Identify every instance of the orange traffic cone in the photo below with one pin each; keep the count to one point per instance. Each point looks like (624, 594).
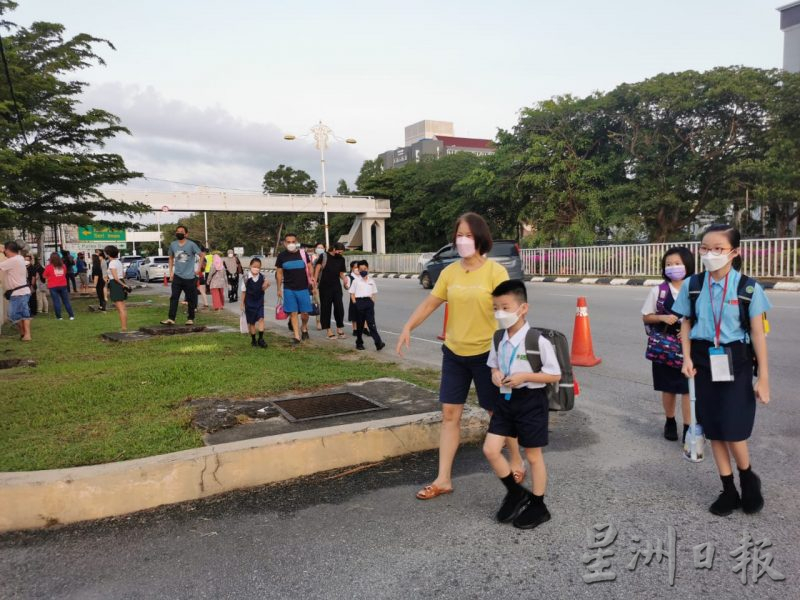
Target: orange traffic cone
(166, 280)
(582, 351)
(444, 325)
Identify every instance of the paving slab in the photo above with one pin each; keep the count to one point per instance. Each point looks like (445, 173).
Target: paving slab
(10, 363)
(172, 329)
(128, 336)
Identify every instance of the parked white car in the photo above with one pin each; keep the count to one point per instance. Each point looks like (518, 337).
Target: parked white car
(154, 268)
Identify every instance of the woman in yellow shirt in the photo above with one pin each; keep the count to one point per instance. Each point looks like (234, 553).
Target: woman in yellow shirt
(466, 285)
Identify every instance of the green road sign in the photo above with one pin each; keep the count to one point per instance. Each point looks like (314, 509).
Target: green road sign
(89, 234)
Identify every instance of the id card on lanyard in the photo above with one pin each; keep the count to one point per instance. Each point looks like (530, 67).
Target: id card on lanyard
(505, 390)
(720, 358)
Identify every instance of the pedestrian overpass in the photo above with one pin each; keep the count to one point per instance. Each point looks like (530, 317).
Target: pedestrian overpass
(370, 213)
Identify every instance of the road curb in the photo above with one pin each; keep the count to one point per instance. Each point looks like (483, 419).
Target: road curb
(37, 499)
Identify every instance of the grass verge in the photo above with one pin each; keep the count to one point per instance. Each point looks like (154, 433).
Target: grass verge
(89, 401)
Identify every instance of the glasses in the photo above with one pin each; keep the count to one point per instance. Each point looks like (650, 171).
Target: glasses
(713, 251)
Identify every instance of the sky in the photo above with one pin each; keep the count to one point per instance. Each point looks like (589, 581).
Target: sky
(209, 89)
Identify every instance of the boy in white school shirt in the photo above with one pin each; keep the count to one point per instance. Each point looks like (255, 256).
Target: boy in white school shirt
(521, 411)
(362, 294)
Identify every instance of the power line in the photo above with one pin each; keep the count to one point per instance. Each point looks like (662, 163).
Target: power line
(11, 90)
(216, 187)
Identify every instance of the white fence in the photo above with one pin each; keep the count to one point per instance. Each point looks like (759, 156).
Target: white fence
(775, 258)
(389, 263)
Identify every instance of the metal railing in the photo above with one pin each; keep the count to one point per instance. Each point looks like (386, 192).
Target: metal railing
(389, 263)
(773, 258)
(776, 258)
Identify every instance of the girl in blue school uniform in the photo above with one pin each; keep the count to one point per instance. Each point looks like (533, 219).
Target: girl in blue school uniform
(718, 352)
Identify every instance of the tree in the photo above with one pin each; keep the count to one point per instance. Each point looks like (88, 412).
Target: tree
(685, 134)
(342, 189)
(286, 180)
(51, 163)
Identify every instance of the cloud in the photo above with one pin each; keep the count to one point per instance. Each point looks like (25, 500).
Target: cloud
(175, 140)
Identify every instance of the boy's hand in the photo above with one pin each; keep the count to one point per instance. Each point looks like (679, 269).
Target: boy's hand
(515, 380)
(497, 377)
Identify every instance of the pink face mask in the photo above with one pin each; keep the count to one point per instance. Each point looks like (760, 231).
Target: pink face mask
(465, 246)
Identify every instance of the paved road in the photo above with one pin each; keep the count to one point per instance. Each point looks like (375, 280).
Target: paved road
(365, 536)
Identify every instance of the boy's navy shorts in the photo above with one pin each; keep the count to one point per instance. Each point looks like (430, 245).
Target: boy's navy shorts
(525, 416)
(458, 372)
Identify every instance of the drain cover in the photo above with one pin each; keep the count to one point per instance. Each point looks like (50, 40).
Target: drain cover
(322, 407)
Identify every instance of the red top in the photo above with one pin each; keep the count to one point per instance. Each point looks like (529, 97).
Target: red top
(55, 277)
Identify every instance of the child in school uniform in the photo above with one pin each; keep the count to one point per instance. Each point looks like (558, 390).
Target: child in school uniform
(351, 310)
(254, 284)
(521, 411)
(362, 294)
(718, 351)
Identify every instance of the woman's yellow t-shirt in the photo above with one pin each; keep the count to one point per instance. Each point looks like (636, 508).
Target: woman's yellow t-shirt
(470, 322)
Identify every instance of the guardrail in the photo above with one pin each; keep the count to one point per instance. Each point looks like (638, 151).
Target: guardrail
(774, 258)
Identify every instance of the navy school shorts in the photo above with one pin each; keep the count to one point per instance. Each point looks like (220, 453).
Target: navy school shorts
(525, 416)
(458, 372)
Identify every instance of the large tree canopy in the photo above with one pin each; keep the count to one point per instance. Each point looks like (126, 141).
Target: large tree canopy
(52, 165)
(645, 161)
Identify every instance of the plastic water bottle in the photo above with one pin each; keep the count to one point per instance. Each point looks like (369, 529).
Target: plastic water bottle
(698, 439)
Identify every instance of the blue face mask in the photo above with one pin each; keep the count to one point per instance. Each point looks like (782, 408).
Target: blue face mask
(363, 273)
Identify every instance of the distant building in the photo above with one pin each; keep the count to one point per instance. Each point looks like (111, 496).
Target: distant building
(433, 139)
(790, 25)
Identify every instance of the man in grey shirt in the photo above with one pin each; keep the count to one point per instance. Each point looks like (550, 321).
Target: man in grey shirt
(183, 261)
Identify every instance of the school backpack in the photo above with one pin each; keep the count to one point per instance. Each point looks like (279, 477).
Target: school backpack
(744, 294)
(561, 394)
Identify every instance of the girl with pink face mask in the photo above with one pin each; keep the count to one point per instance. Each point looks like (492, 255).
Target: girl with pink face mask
(660, 322)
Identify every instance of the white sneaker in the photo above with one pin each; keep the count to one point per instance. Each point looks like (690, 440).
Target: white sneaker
(72, 318)
(59, 319)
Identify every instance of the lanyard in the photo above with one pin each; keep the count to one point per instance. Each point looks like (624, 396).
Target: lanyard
(717, 322)
(507, 371)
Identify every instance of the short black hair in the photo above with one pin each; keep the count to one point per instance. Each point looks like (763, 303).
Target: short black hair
(112, 251)
(185, 229)
(338, 246)
(363, 263)
(12, 246)
(353, 263)
(511, 287)
(686, 257)
(480, 231)
(255, 260)
(288, 235)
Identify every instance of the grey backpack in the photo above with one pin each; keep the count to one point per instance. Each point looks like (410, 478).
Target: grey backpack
(560, 395)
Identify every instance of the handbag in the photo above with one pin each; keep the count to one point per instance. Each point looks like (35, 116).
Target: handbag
(314, 309)
(7, 293)
(280, 314)
(243, 323)
(663, 343)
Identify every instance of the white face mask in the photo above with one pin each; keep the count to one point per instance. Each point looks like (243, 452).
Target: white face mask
(255, 271)
(291, 247)
(230, 254)
(506, 319)
(320, 250)
(715, 263)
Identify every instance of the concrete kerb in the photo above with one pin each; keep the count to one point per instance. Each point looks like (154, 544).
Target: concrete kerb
(45, 498)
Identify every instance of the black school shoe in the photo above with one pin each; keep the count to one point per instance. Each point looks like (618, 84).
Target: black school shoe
(359, 346)
(512, 505)
(380, 346)
(533, 516)
(671, 430)
(726, 503)
(752, 500)
(262, 343)
(304, 335)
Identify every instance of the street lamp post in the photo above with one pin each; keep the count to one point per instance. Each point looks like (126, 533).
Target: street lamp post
(322, 134)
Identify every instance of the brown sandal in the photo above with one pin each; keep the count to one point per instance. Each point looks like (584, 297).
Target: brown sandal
(429, 492)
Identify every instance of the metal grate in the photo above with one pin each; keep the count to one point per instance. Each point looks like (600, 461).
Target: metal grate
(322, 407)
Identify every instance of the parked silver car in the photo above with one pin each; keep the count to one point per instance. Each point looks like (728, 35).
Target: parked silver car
(154, 268)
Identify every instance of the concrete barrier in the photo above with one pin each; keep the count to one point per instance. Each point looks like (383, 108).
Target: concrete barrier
(45, 498)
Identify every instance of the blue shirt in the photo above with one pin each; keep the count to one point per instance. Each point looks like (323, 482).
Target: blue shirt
(184, 258)
(731, 328)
